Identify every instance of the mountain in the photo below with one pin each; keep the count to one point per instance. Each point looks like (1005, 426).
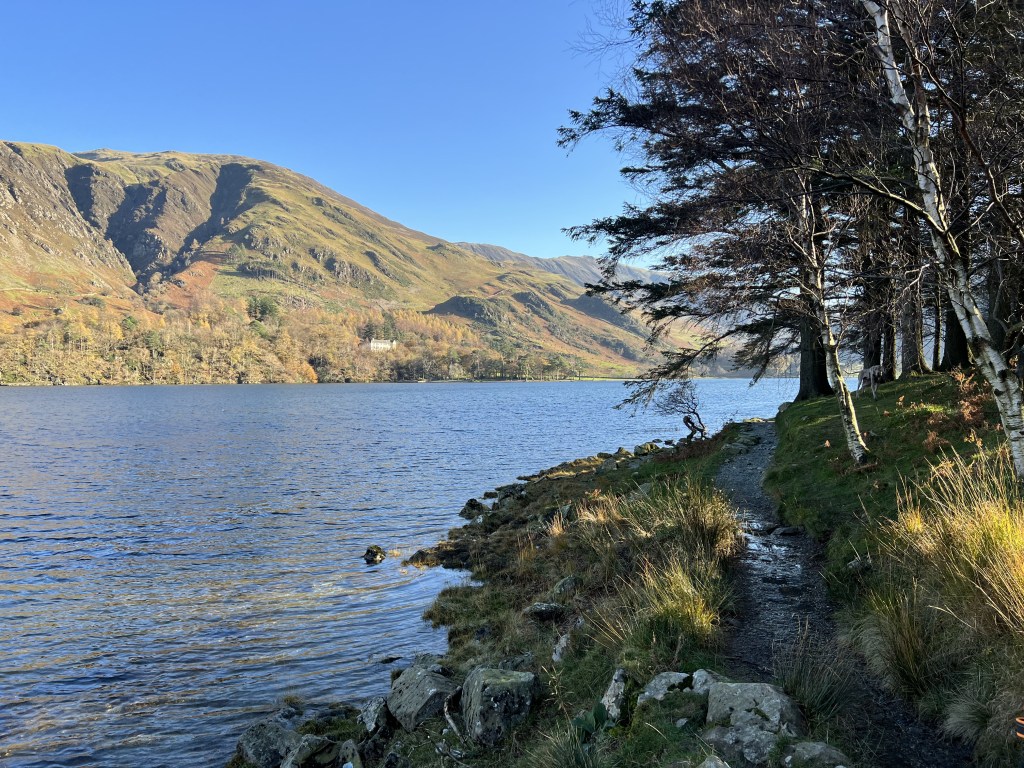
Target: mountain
(176, 267)
(582, 270)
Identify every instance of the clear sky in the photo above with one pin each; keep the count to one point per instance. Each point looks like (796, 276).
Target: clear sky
(441, 115)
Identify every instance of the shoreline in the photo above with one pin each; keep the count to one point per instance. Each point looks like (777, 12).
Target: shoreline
(525, 647)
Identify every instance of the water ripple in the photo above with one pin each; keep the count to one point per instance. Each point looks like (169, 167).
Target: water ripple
(174, 560)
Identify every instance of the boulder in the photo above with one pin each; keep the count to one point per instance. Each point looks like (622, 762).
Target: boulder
(270, 741)
(374, 714)
(473, 508)
(614, 699)
(703, 679)
(646, 449)
(661, 685)
(417, 695)
(494, 701)
(374, 554)
(349, 755)
(545, 611)
(565, 588)
(814, 754)
(608, 465)
(748, 720)
(714, 762)
(760, 704)
(561, 647)
(313, 752)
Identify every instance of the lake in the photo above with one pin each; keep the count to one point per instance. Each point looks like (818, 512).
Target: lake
(175, 560)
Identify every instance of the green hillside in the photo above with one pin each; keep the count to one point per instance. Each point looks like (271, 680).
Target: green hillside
(173, 267)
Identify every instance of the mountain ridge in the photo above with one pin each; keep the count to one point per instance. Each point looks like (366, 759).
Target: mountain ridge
(98, 236)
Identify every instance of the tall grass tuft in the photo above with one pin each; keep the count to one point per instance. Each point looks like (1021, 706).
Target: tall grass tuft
(945, 620)
(567, 750)
(819, 675)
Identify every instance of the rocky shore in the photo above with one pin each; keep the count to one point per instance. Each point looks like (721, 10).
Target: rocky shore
(593, 635)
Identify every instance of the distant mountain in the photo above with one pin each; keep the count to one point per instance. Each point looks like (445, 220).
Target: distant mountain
(161, 267)
(582, 270)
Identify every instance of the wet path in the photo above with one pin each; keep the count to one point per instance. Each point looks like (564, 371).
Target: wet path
(779, 588)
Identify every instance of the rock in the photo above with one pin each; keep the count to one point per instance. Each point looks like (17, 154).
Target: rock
(314, 752)
(788, 530)
(417, 695)
(608, 465)
(682, 722)
(565, 588)
(614, 698)
(374, 554)
(494, 701)
(349, 755)
(714, 762)
(859, 565)
(784, 407)
(749, 719)
(661, 685)
(622, 453)
(491, 495)
(703, 679)
(269, 742)
(473, 509)
(646, 449)
(545, 611)
(517, 663)
(374, 714)
(742, 744)
(814, 754)
(759, 703)
(561, 647)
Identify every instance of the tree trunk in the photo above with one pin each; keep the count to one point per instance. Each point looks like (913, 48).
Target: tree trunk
(955, 351)
(813, 374)
(912, 358)
(917, 123)
(937, 327)
(888, 344)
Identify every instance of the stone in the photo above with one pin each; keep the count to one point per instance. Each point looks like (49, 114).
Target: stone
(314, 752)
(349, 755)
(660, 686)
(545, 611)
(374, 714)
(565, 588)
(646, 449)
(760, 704)
(374, 554)
(608, 465)
(784, 407)
(269, 742)
(788, 530)
(614, 698)
(494, 701)
(518, 663)
(814, 754)
(417, 695)
(561, 647)
(748, 720)
(472, 509)
(742, 744)
(703, 679)
(713, 761)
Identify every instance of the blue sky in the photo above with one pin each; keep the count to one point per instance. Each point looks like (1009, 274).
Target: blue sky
(441, 115)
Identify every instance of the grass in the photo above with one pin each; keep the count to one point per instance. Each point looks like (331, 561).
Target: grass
(940, 614)
(649, 589)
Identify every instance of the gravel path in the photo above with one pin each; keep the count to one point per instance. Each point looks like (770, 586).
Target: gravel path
(779, 587)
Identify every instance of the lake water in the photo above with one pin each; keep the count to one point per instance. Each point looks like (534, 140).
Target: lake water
(174, 560)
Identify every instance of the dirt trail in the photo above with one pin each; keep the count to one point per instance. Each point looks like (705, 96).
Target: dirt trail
(779, 586)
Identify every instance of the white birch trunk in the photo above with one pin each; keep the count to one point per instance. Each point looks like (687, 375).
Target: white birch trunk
(988, 359)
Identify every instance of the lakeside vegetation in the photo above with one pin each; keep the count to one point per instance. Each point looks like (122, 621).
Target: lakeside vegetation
(925, 547)
(925, 551)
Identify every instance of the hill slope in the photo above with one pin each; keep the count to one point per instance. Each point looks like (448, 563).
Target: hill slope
(185, 244)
